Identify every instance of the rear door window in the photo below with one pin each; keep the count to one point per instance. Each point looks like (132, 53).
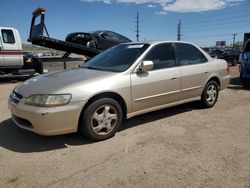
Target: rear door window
(189, 55)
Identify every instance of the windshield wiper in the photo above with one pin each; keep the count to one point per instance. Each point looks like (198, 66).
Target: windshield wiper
(97, 68)
(87, 67)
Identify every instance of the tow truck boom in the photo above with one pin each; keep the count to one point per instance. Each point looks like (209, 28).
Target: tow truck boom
(37, 37)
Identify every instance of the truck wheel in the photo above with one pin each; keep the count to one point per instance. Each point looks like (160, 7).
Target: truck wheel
(39, 66)
(101, 119)
(210, 94)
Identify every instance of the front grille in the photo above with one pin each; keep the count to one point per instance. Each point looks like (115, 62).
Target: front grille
(15, 97)
(23, 122)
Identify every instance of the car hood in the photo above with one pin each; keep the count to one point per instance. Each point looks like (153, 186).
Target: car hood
(68, 81)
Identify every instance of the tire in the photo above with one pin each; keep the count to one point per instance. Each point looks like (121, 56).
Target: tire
(101, 119)
(39, 67)
(210, 94)
(246, 83)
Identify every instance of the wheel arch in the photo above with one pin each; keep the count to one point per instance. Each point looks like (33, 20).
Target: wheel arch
(216, 79)
(111, 95)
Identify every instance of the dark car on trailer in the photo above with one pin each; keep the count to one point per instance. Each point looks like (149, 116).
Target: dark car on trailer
(101, 40)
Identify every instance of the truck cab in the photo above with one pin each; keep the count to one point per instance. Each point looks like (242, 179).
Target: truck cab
(11, 55)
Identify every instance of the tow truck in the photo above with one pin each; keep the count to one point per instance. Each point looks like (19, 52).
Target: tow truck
(12, 60)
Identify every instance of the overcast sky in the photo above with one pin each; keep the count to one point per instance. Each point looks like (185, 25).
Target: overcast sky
(203, 21)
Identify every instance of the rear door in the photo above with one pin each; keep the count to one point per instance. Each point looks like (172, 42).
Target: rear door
(194, 69)
(159, 86)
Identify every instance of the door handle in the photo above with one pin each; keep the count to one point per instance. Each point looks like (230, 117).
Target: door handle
(206, 72)
(174, 78)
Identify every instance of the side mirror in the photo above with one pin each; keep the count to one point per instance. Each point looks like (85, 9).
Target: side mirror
(145, 66)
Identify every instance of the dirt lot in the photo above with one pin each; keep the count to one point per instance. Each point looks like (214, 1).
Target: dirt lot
(183, 146)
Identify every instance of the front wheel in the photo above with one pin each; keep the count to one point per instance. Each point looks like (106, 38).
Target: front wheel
(101, 119)
(210, 94)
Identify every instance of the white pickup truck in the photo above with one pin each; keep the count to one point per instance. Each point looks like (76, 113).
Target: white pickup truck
(12, 59)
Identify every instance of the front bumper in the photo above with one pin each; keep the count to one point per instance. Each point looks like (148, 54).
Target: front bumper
(46, 120)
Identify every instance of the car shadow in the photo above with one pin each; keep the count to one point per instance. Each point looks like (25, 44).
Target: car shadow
(236, 84)
(13, 79)
(160, 114)
(16, 139)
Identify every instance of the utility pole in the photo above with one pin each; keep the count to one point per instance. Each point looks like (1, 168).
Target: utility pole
(179, 31)
(234, 36)
(137, 27)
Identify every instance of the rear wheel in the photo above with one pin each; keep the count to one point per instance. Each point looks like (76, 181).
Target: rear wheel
(210, 94)
(101, 119)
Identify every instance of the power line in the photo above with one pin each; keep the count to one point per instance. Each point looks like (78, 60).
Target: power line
(216, 35)
(218, 22)
(217, 17)
(215, 27)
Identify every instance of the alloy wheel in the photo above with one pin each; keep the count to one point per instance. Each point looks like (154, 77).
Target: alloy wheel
(104, 119)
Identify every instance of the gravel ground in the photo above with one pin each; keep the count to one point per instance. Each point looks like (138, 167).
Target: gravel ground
(183, 146)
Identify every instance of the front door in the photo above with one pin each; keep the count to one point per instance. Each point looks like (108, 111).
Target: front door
(159, 86)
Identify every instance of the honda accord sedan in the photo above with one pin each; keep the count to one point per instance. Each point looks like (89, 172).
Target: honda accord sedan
(121, 82)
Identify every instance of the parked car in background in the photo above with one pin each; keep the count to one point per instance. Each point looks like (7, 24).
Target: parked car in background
(124, 81)
(216, 53)
(245, 65)
(99, 39)
(232, 56)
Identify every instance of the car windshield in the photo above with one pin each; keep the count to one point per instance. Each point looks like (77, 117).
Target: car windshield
(116, 59)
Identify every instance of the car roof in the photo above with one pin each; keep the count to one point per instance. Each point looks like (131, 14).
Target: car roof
(159, 42)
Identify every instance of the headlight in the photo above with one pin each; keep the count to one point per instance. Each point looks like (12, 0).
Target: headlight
(48, 100)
